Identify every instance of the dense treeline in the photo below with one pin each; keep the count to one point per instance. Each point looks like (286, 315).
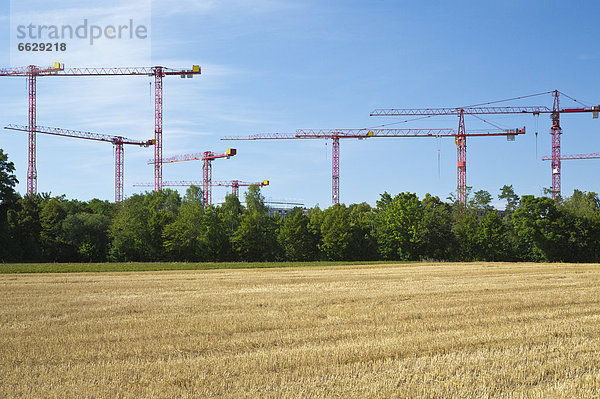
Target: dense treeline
(162, 226)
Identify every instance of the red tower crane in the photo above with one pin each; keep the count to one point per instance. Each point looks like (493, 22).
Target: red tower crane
(234, 184)
(32, 72)
(461, 143)
(117, 141)
(337, 134)
(207, 157)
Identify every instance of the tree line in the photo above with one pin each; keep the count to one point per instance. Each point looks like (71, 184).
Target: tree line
(163, 226)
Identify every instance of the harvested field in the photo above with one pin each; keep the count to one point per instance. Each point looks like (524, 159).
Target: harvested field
(419, 330)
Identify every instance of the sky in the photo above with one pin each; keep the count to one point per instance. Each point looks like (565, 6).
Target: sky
(277, 65)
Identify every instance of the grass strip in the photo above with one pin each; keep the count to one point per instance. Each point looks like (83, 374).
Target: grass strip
(11, 268)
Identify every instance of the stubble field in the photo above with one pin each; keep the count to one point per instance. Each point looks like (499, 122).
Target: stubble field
(473, 330)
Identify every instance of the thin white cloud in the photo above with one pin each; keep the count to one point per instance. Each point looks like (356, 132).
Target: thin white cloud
(209, 7)
(48, 12)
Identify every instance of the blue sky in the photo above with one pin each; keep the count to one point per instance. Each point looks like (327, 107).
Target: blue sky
(276, 66)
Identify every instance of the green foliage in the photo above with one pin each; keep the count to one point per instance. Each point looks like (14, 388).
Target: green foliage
(87, 234)
(336, 233)
(362, 227)
(137, 229)
(481, 201)
(256, 238)
(581, 204)
(297, 240)
(398, 226)
(197, 234)
(184, 238)
(8, 181)
(435, 232)
(231, 213)
(491, 238)
(465, 230)
(52, 215)
(26, 228)
(512, 200)
(255, 202)
(99, 207)
(8, 203)
(538, 223)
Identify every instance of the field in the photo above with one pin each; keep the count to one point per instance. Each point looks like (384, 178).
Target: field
(417, 330)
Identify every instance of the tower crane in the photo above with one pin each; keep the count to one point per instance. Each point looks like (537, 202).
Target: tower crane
(336, 134)
(117, 141)
(206, 157)
(234, 184)
(32, 72)
(461, 142)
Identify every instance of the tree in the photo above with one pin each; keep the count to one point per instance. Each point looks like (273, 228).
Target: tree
(512, 200)
(539, 223)
(183, 238)
(8, 181)
(194, 195)
(582, 210)
(137, 228)
(231, 213)
(362, 225)
(217, 236)
(481, 201)
(87, 234)
(582, 204)
(336, 232)
(397, 225)
(256, 237)
(297, 240)
(26, 227)
(98, 207)
(491, 239)
(8, 202)
(435, 230)
(52, 215)
(465, 230)
(255, 202)
(197, 234)
(315, 220)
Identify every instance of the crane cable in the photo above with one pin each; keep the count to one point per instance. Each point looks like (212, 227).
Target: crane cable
(577, 101)
(509, 99)
(489, 123)
(396, 123)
